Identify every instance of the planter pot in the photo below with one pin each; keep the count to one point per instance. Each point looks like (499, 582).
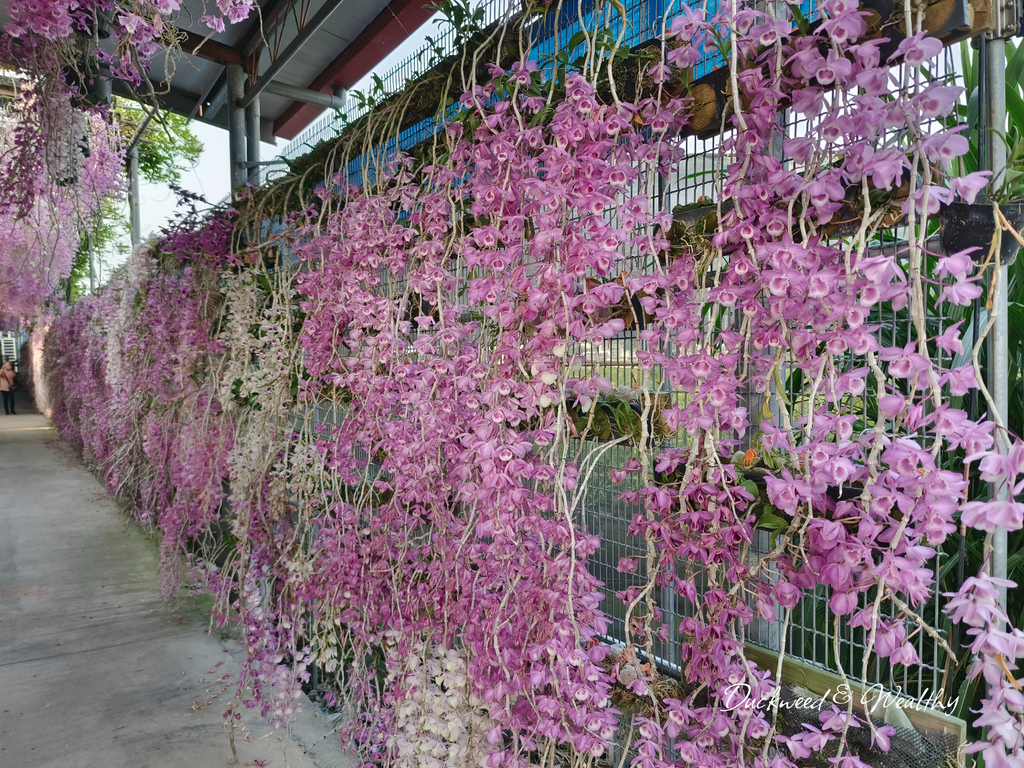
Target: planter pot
(99, 90)
(834, 492)
(846, 493)
(692, 228)
(632, 311)
(846, 222)
(629, 310)
(612, 410)
(756, 476)
(964, 226)
(99, 25)
(614, 419)
(93, 86)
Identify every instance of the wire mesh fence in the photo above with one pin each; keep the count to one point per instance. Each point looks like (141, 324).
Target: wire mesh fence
(547, 34)
(813, 633)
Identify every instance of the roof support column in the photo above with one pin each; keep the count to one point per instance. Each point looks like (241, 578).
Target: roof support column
(252, 140)
(992, 54)
(133, 195)
(236, 127)
(992, 111)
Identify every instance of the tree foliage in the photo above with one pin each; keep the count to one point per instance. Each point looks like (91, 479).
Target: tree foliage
(168, 146)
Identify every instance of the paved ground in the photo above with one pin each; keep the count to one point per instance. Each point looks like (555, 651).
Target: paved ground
(95, 670)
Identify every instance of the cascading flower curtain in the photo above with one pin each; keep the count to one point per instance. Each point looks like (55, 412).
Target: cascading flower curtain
(65, 195)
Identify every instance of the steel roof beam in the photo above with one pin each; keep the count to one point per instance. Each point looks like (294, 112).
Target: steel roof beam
(385, 33)
(270, 15)
(293, 48)
(209, 49)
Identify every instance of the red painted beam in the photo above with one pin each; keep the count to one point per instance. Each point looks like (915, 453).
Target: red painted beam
(381, 36)
(211, 50)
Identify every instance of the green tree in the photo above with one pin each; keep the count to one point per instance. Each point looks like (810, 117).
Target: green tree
(108, 236)
(168, 146)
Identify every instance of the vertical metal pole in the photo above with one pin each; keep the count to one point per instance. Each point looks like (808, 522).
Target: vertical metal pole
(993, 53)
(252, 140)
(236, 126)
(133, 198)
(92, 263)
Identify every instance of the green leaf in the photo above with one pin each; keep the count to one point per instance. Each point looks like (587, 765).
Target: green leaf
(751, 487)
(576, 40)
(773, 459)
(1014, 64)
(1015, 317)
(627, 422)
(769, 521)
(1015, 112)
(542, 117)
(968, 65)
(972, 113)
(801, 21)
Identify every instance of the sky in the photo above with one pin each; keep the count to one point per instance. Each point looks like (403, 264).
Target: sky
(209, 177)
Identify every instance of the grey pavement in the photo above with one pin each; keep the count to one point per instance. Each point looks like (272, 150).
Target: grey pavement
(96, 671)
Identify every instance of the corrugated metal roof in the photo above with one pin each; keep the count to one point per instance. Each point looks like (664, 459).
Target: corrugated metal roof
(192, 84)
(202, 81)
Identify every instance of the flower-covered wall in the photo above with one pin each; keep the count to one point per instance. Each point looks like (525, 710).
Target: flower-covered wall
(373, 415)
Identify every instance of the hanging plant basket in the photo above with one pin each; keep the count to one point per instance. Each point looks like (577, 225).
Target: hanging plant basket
(844, 492)
(886, 207)
(629, 308)
(97, 25)
(418, 306)
(963, 225)
(99, 88)
(619, 417)
(693, 226)
(92, 83)
(849, 492)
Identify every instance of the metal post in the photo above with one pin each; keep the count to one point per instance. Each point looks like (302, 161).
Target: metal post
(92, 263)
(252, 139)
(993, 55)
(236, 126)
(133, 197)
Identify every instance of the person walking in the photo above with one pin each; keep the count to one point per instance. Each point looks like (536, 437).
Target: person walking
(7, 387)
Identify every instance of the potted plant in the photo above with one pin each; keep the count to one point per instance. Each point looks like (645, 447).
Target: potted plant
(965, 225)
(629, 308)
(693, 226)
(618, 412)
(973, 225)
(754, 466)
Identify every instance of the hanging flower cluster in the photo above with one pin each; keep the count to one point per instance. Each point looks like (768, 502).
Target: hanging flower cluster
(64, 190)
(139, 28)
(64, 48)
(401, 387)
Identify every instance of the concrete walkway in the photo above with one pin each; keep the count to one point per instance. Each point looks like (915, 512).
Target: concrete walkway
(95, 670)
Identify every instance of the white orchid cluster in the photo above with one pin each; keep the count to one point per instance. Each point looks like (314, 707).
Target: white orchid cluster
(439, 723)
